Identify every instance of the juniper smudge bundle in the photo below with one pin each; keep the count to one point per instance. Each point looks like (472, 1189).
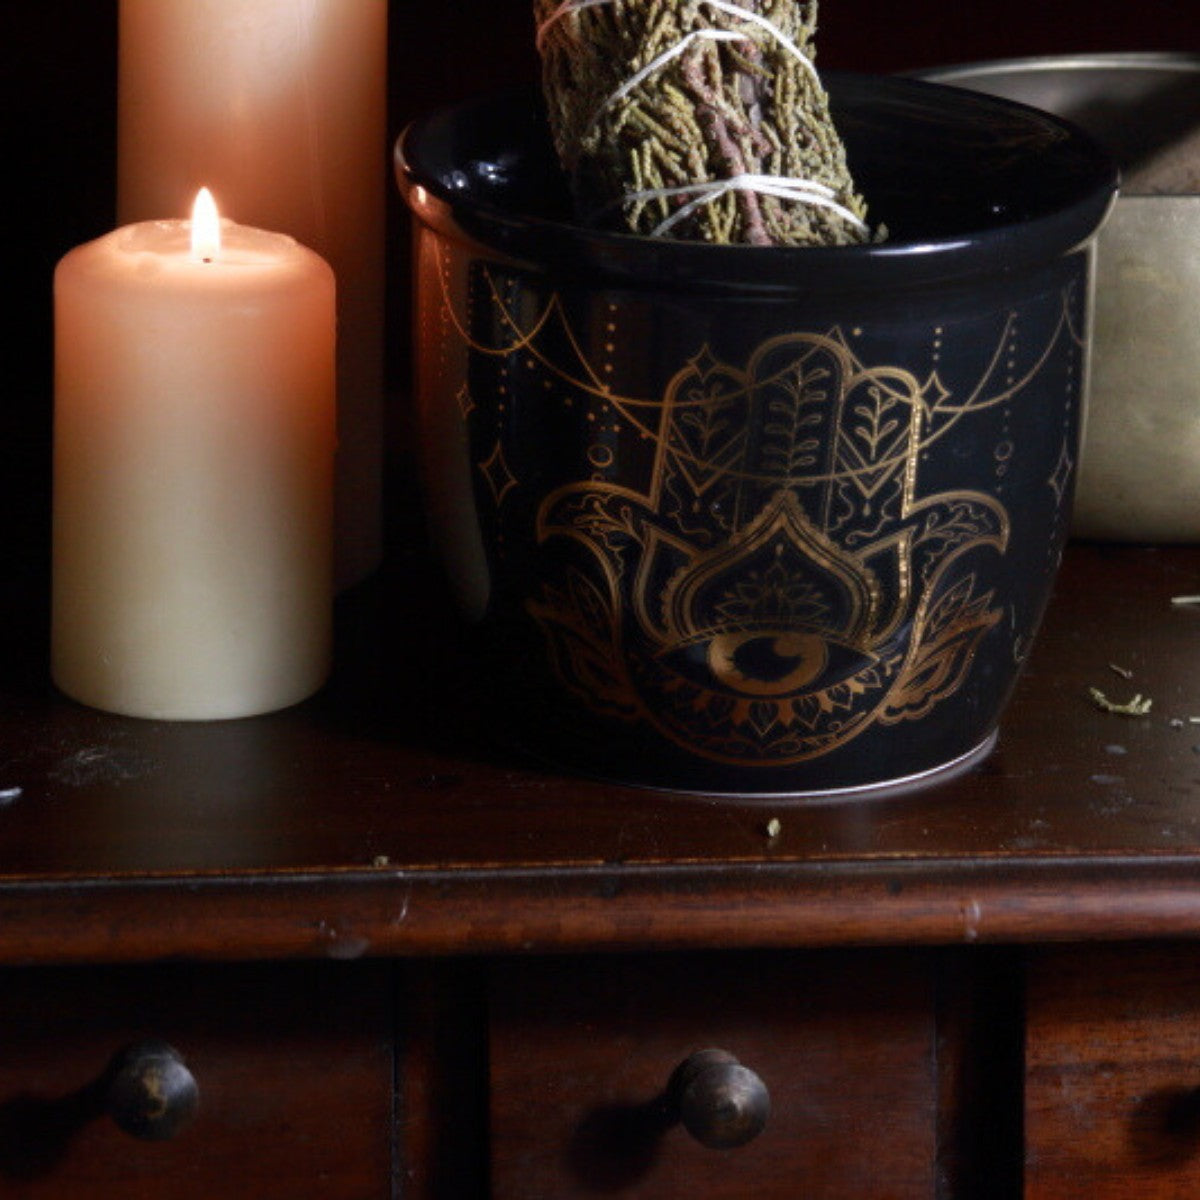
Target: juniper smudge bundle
(701, 119)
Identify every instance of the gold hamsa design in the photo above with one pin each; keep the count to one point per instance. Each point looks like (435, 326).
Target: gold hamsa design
(779, 586)
(749, 562)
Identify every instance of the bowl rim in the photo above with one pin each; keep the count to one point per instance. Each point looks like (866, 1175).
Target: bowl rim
(539, 243)
(1106, 60)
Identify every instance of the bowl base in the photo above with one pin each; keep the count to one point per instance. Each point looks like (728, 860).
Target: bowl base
(884, 789)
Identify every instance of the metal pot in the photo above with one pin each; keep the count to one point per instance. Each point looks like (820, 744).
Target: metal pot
(1140, 470)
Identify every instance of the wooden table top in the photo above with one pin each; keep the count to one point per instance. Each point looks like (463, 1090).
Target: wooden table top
(377, 819)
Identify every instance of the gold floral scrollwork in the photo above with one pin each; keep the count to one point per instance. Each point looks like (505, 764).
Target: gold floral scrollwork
(748, 561)
(778, 586)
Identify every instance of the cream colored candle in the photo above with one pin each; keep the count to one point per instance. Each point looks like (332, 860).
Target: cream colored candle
(280, 107)
(193, 471)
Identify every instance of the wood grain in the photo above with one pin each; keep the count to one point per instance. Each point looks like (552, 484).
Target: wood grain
(381, 819)
(294, 1066)
(1113, 1083)
(581, 1053)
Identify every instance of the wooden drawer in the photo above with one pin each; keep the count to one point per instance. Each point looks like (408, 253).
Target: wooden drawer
(1113, 1073)
(293, 1064)
(582, 1051)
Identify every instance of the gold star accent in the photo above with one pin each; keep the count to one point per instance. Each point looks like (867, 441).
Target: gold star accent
(496, 471)
(1060, 478)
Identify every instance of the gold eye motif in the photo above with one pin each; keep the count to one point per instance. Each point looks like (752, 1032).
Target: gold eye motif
(759, 663)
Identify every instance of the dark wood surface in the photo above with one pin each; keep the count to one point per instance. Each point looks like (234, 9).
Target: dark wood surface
(1112, 1101)
(846, 1045)
(378, 818)
(293, 1062)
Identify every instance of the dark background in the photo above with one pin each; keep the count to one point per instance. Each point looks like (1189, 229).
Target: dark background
(57, 112)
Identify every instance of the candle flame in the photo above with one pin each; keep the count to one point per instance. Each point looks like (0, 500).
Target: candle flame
(206, 227)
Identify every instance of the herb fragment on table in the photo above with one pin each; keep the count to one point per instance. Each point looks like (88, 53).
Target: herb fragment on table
(1139, 706)
(1124, 672)
(1185, 601)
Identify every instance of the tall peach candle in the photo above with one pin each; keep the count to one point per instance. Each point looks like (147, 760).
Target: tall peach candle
(279, 106)
(193, 471)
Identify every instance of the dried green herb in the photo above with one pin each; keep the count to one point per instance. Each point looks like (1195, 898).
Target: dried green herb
(699, 119)
(1139, 706)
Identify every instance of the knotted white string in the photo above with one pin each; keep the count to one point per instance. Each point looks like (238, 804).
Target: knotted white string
(713, 35)
(802, 191)
(744, 14)
(567, 7)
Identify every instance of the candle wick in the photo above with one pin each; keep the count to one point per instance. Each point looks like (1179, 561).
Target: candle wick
(206, 258)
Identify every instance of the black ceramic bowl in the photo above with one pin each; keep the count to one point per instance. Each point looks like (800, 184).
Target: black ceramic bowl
(763, 521)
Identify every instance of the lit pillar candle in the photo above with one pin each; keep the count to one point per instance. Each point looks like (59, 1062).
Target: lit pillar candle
(280, 107)
(193, 470)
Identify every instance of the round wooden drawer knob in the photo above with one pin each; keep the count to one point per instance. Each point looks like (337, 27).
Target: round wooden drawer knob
(151, 1093)
(721, 1103)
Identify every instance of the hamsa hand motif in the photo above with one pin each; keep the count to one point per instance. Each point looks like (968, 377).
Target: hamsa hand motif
(779, 584)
